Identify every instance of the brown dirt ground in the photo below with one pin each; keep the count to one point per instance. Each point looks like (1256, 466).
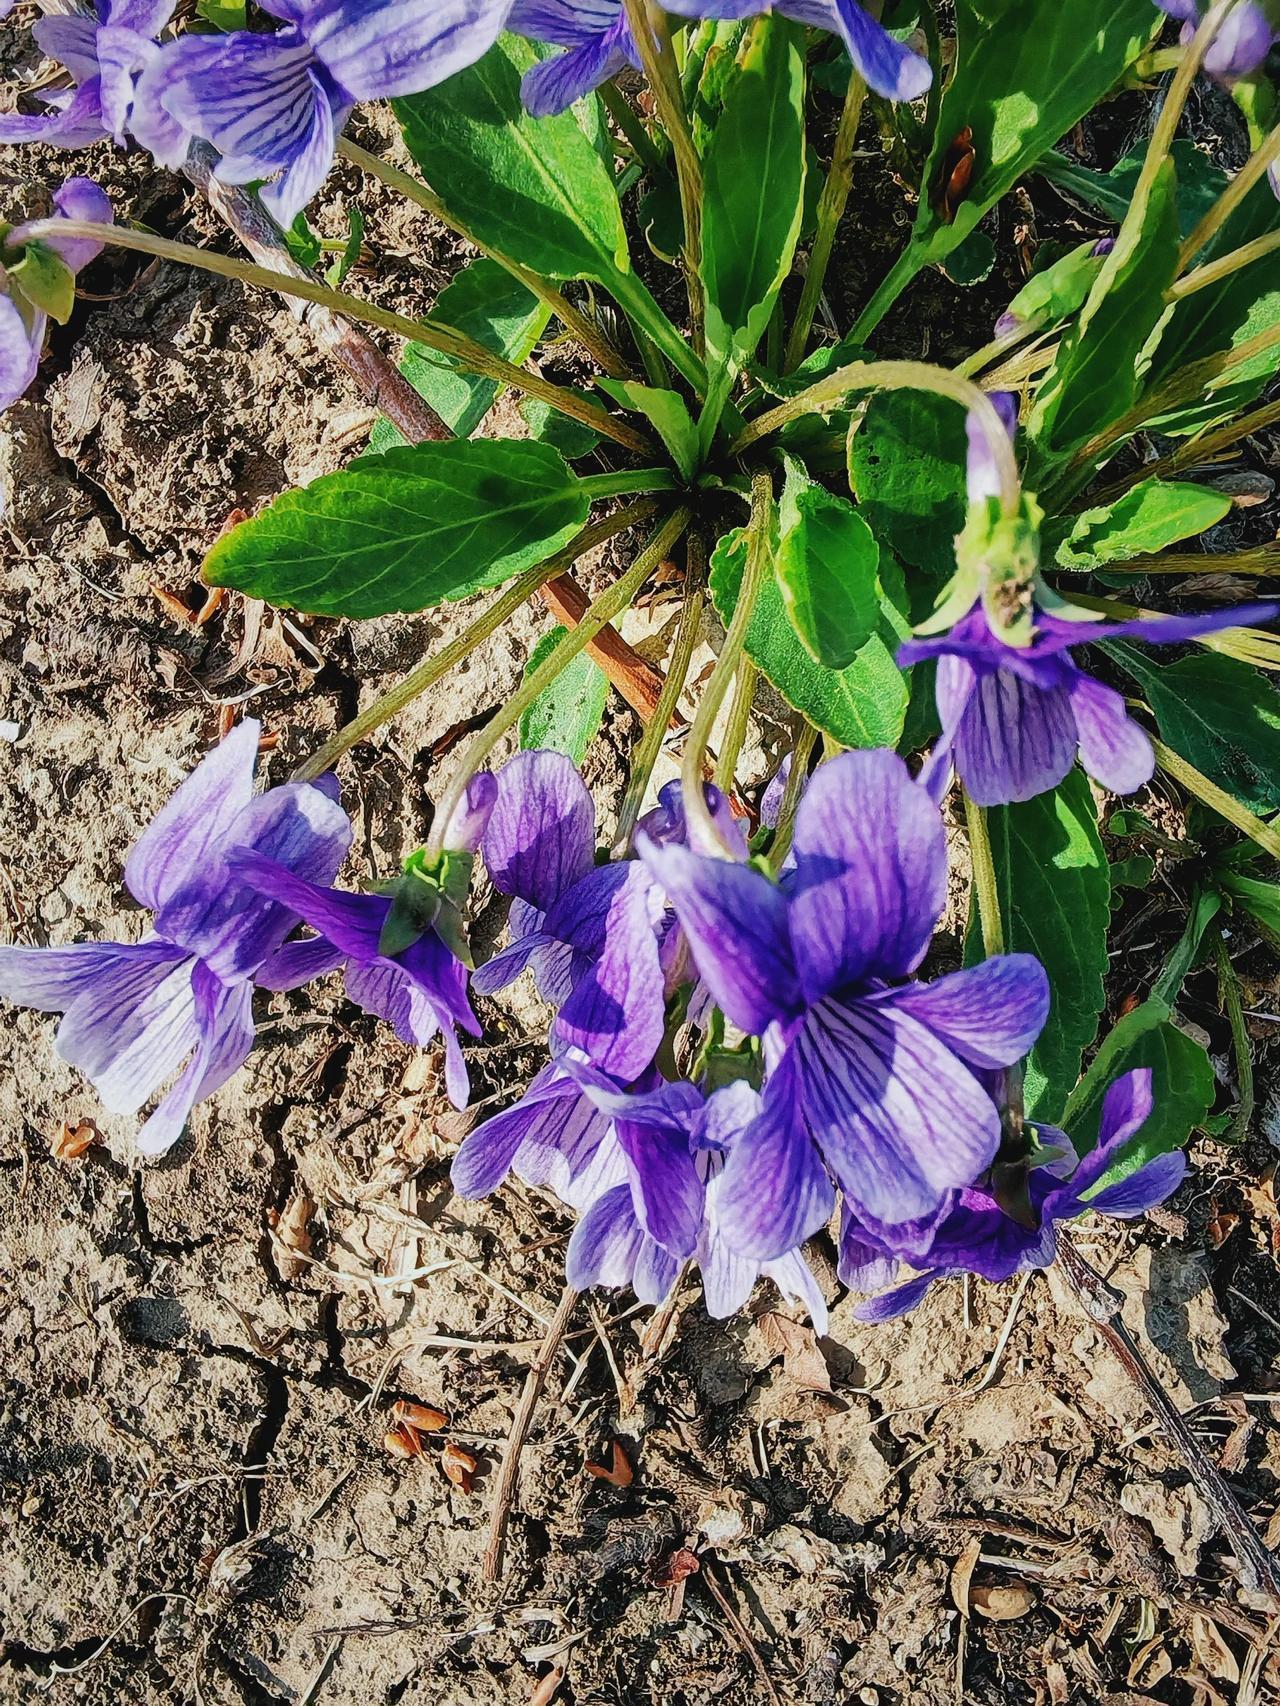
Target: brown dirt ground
(195, 1498)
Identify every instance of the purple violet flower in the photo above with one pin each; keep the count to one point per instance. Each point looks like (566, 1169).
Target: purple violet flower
(872, 1080)
(135, 1012)
(420, 989)
(598, 43)
(589, 932)
(1016, 716)
(1244, 39)
(22, 324)
(104, 49)
(976, 1235)
(274, 105)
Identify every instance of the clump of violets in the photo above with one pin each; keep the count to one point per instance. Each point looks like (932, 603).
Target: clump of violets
(875, 1084)
(180, 999)
(37, 280)
(976, 1235)
(1016, 708)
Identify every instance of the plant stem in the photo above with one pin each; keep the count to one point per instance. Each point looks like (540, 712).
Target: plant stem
(391, 703)
(656, 729)
(704, 834)
(1102, 1305)
(610, 604)
(1166, 126)
(652, 35)
(632, 126)
(797, 776)
(627, 483)
(1187, 455)
(445, 339)
(744, 692)
(1215, 271)
(896, 375)
(1217, 799)
(998, 347)
(984, 878)
(575, 322)
(1254, 168)
(632, 295)
(831, 205)
(1229, 989)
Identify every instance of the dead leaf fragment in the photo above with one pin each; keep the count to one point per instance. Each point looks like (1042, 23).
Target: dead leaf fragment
(422, 1418)
(619, 1474)
(1211, 1650)
(402, 1441)
(1002, 1604)
(459, 1466)
(291, 1241)
(71, 1142)
(962, 1575)
(171, 603)
(211, 606)
(676, 1568)
(797, 1345)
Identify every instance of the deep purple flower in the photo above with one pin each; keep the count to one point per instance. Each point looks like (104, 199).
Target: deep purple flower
(274, 105)
(872, 1081)
(135, 1012)
(589, 932)
(1016, 715)
(977, 1236)
(22, 323)
(104, 49)
(420, 989)
(598, 43)
(1244, 37)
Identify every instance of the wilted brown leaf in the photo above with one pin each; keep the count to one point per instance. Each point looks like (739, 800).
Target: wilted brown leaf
(1002, 1604)
(71, 1142)
(459, 1466)
(962, 1574)
(676, 1568)
(797, 1344)
(619, 1474)
(422, 1418)
(402, 1441)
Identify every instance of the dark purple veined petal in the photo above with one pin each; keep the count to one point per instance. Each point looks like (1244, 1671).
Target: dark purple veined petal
(224, 1023)
(377, 49)
(540, 840)
(656, 1271)
(899, 1118)
(989, 1014)
(553, 85)
(509, 962)
(19, 351)
(435, 968)
(51, 979)
(76, 122)
(983, 475)
(737, 924)
(606, 1243)
(1143, 1189)
(666, 1186)
(870, 875)
(890, 1304)
(78, 198)
(563, 23)
(1113, 749)
(1126, 1108)
(300, 962)
(863, 1265)
(1015, 739)
(188, 832)
(132, 1029)
(774, 1192)
(72, 39)
(616, 1011)
(487, 1153)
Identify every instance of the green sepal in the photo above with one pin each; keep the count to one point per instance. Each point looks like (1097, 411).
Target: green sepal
(46, 281)
(430, 895)
(1060, 289)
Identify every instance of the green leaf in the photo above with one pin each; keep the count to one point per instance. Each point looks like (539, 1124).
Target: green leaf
(533, 188)
(223, 14)
(907, 470)
(566, 716)
(827, 568)
(754, 190)
(972, 261)
(1149, 517)
(1060, 289)
(666, 413)
(573, 439)
(1261, 901)
(1096, 374)
(1055, 902)
(486, 303)
(863, 705)
(335, 274)
(1220, 714)
(302, 242)
(1135, 872)
(406, 529)
(1026, 71)
(1182, 1085)
(45, 280)
(1200, 182)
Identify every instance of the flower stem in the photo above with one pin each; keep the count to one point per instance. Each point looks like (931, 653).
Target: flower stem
(831, 205)
(646, 754)
(610, 604)
(391, 703)
(1215, 271)
(1188, 455)
(704, 835)
(1254, 168)
(632, 126)
(984, 878)
(1229, 990)
(1216, 798)
(651, 32)
(797, 776)
(445, 339)
(572, 319)
(892, 376)
(1166, 126)
(744, 692)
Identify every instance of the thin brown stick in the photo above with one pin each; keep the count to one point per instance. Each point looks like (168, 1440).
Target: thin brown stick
(509, 1470)
(1259, 1569)
(639, 683)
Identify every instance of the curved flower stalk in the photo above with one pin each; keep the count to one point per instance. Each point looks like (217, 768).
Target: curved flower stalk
(135, 1012)
(589, 932)
(24, 318)
(977, 1236)
(1016, 708)
(401, 952)
(274, 105)
(104, 49)
(873, 1080)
